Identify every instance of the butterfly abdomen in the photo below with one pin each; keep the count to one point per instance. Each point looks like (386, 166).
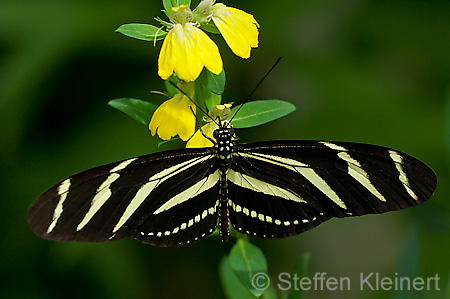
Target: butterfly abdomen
(224, 229)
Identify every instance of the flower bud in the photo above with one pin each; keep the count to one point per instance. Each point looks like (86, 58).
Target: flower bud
(181, 15)
(205, 7)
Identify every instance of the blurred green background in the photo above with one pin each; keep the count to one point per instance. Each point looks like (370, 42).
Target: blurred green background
(358, 70)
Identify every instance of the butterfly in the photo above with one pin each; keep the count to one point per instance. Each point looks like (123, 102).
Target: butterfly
(268, 189)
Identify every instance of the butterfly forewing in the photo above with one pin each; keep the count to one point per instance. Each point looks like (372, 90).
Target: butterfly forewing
(282, 188)
(119, 199)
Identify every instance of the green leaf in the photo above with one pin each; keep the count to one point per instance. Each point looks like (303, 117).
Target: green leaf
(300, 269)
(212, 100)
(144, 32)
(256, 113)
(164, 142)
(137, 109)
(270, 292)
(167, 7)
(172, 90)
(166, 13)
(210, 27)
(204, 95)
(231, 285)
(183, 2)
(249, 264)
(409, 262)
(215, 83)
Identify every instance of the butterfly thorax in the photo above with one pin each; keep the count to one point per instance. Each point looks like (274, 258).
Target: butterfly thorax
(224, 146)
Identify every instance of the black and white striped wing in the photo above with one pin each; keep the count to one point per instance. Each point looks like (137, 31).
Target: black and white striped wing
(163, 199)
(283, 188)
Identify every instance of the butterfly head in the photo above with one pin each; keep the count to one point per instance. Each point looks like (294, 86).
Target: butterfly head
(224, 133)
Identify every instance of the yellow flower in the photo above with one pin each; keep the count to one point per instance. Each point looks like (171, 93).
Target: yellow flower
(174, 117)
(187, 49)
(238, 28)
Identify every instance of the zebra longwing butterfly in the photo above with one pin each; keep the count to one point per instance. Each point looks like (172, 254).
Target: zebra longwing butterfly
(270, 189)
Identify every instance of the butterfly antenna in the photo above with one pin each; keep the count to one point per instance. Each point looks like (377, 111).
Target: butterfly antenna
(246, 100)
(197, 123)
(200, 108)
(200, 128)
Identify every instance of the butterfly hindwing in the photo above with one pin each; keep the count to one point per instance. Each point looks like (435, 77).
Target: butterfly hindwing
(263, 201)
(282, 188)
(188, 212)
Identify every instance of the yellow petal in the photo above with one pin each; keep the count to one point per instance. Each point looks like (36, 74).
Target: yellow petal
(185, 126)
(185, 51)
(198, 140)
(165, 60)
(174, 117)
(238, 28)
(209, 52)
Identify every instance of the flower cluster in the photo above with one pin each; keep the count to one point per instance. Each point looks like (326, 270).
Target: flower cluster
(191, 60)
(187, 49)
